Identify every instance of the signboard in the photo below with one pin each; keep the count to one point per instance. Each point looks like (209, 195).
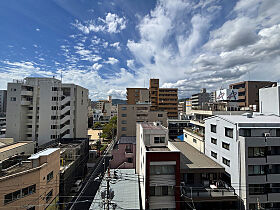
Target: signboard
(227, 95)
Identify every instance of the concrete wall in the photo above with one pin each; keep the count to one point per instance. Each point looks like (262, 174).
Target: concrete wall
(194, 140)
(270, 100)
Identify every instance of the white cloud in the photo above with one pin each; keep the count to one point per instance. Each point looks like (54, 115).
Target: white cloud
(116, 45)
(111, 61)
(130, 64)
(37, 29)
(97, 66)
(114, 23)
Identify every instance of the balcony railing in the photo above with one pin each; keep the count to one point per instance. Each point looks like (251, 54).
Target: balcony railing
(195, 132)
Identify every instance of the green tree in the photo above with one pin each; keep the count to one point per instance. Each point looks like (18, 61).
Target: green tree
(97, 125)
(110, 129)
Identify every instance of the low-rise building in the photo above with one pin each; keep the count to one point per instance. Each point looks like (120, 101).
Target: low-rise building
(124, 153)
(31, 184)
(248, 146)
(130, 114)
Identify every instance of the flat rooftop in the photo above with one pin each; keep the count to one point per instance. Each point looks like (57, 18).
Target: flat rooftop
(193, 160)
(12, 146)
(256, 118)
(43, 153)
(23, 166)
(152, 126)
(126, 190)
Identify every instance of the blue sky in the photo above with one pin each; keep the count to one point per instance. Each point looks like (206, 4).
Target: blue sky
(107, 46)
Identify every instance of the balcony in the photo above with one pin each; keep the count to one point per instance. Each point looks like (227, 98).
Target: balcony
(25, 103)
(198, 134)
(210, 193)
(26, 93)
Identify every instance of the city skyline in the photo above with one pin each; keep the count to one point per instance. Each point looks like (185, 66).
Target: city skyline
(108, 46)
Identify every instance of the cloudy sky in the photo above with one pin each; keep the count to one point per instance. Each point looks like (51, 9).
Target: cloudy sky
(107, 46)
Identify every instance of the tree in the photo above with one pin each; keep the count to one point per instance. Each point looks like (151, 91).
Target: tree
(97, 125)
(110, 129)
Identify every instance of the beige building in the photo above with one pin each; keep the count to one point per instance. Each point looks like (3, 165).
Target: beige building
(23, 147)
(32, 184)
(44, 109)
(137, 95)
(130, 114)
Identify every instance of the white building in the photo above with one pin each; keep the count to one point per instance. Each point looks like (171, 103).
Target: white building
(269, 99)
(44, 109)
(248, 146)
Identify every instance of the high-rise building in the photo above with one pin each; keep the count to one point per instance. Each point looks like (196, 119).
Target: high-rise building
(3, 102)
(130, 114)
(248, 93)
(45, 109)
(248, 146)
(137, 95)
(164, 99)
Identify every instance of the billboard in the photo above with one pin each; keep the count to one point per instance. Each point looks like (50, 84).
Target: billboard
(227, 95)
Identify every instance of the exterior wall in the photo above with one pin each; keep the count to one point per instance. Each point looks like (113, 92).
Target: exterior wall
(27, 178)
(26, 149)
(137, 95)
(194, 140)
(3, 101)
(120, 156)
(270, 100)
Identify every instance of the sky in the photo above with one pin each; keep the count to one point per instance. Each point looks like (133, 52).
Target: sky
(107, 46)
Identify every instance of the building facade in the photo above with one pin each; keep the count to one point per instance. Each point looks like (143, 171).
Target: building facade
(248, 92)
(198, 100)
(137, 95)
(31, 184)
(3, 102)
(129, 115)
(270, 100)
(44, 109)
(248, 147)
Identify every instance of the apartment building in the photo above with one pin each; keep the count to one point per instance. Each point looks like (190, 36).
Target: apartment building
(248, 92)
(124, 153)
(270, 100)
(137, 95)
(198, 100)
(130, 114)
(248, 147)
(164, 99)
(44, 109)
(31, 184)
(158, 168)
(17, 148)
(3, 102)
(176, 127)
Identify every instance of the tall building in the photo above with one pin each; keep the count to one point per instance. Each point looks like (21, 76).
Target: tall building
(3, 102)
(32, 183)
(164, 99)
(137, 95)
(44, 109)
(130, 114)
(248, 92)
(270, 100)
(248, 146)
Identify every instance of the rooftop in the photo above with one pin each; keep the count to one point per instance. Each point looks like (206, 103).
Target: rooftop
(12, 146)
(256, 118)
(43, 153)
(125, 199)
(151, 126)
(127, 140)
(19, 167)
(162, 149)
(192, 159)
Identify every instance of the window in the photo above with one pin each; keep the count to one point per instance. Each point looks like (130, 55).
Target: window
(29, 126)
(123, 121)
(226, 161)
(275, 150)
(123, 115)
(214, 154)
(164, 190)
(256, 152)
(225, 145)
(55, 108)
(123, 128)
(257, 189)
(54, 117)
(159, 139)
(19, 194)
(229, 132)
(160, 115)
(275, 169)
(128, 148)
(54, 126)
(25, 191)
(278, 132)
(256, 169)
(213, 128)
(129, 160)
(245, 132)
(194, 140)
(54, 89)
(124, 108)
(32, 189)
(8, 198)
(50, 176)
(163, 169)
(13, 98)
(30, 108)
(49, 195)
(161, 190)
(213, 141)
(275, 188)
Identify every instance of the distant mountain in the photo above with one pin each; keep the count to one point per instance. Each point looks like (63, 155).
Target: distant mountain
(118, 101)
